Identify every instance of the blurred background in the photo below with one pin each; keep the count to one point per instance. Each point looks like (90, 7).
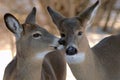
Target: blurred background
(107, 20)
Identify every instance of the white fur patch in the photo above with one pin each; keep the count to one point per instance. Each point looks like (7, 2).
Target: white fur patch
(55, 42)
(41, 55)
(14, 25)
(60, 47)
(77, 58)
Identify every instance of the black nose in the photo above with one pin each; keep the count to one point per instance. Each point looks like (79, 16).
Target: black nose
(61, 41)
(71, 50)
(55, 48)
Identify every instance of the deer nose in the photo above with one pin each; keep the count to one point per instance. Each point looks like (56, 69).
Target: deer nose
(61, 41)
(71, 50)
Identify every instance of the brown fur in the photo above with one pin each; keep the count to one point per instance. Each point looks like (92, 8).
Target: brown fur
(99, 63)
(31, 62)
(108, 52)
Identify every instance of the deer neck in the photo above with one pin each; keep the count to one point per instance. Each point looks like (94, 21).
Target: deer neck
(26, 68)
(84, 64)
(30, 65)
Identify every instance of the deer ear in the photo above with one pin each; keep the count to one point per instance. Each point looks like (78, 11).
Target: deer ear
(56, 17)
(87, 16)
(13, 25)
(31, 18)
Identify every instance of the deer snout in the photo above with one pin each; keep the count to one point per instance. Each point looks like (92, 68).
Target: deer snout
(61, 41)
(71, 50)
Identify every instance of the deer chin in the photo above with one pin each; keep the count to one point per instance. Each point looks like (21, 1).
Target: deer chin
(76, 58)
(41, 55)
(55, 42)
(60, 47)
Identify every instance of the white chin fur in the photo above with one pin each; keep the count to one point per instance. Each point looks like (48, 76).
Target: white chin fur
(41, 55)
(77, 58)
(55, 42)
(60, 47)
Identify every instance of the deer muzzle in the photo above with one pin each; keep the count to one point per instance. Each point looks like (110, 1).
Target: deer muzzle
(71, 50)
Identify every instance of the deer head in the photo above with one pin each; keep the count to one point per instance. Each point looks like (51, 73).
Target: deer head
(72, 30)
(30, 38)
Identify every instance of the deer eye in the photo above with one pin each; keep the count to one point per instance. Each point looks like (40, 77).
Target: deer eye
(62, 35)
(80, 33)
(36, 35)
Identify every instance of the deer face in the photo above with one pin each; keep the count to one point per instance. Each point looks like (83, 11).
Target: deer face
(36, 39)
(72, 30)
(30, 37)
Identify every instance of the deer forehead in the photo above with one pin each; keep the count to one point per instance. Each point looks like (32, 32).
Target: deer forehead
(30, 28)
(70, 24)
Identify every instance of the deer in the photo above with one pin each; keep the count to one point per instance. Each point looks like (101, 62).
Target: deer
(97, 63)
(36, 57)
